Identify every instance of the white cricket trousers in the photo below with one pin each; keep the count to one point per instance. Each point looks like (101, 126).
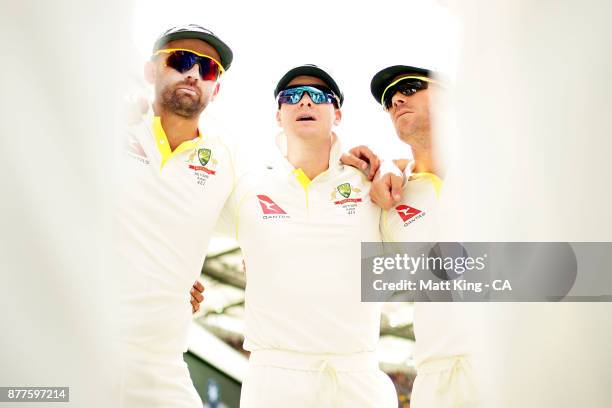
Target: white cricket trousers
(157, 381)
(281, 379)
(444, 382)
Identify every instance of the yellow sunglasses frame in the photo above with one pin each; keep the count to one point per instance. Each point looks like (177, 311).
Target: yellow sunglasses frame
(169, 50)
(422, 78)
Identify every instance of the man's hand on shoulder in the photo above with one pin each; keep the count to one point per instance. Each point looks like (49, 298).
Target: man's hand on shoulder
(361, 157)
(386, 190)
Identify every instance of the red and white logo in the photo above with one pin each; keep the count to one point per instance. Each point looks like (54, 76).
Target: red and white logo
(135, 150)
(268, 206)
(406, 212)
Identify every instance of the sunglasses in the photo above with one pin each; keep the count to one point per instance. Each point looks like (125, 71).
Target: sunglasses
(183, 60)
(317, 94)
(408, 85)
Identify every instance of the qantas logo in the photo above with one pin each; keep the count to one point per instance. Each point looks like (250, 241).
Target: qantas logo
(268, 206)
(134, 149)
(406, 213)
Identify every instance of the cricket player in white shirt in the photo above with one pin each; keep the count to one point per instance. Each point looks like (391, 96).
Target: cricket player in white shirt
(300, 219)
(442, 330)
(176, 176)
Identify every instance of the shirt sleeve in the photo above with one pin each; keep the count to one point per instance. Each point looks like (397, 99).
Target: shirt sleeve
(227, 224)
(384, 226)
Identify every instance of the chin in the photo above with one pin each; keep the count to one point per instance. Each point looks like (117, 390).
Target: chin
(306, 130)
(405, 122)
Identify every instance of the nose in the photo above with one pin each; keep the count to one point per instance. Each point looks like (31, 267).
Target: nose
(193, 72)
(306, 100)
(398, 99)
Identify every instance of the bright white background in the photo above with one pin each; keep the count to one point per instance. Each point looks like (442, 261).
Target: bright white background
(350, 40)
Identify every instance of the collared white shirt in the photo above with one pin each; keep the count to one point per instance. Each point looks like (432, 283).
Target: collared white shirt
(301, 241)
(168, 205)
(441, 328)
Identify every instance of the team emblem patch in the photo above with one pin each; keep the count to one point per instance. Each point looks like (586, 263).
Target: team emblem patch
(204, 156)
(345, 200)
(203, 164)
(344, 190)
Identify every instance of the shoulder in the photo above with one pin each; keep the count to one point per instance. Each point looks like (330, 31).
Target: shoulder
(423, 183)
(355, 174)
(252, 175)
(138, 129)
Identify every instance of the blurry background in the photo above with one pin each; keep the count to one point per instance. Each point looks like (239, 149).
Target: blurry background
(531, 162)
(62, 64)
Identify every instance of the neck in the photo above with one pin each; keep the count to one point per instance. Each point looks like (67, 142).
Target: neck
(311, 155)
(178, 129)
(426, 159)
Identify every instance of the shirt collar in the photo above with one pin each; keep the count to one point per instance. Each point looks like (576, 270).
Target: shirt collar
(161, 140)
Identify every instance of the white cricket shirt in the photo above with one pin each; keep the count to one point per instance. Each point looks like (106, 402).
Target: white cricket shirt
(168, 205)
(441, 328)
(301, 241)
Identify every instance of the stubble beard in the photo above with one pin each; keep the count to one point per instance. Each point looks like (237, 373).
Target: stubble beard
(182, 105)
(417, 134)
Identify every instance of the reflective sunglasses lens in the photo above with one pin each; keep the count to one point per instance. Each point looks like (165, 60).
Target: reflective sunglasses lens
(317, 96)
(321, 94)
(411, 87)
(181, 61)
(209, 70)
(408, 87)
(290, 96)
(294, 95)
